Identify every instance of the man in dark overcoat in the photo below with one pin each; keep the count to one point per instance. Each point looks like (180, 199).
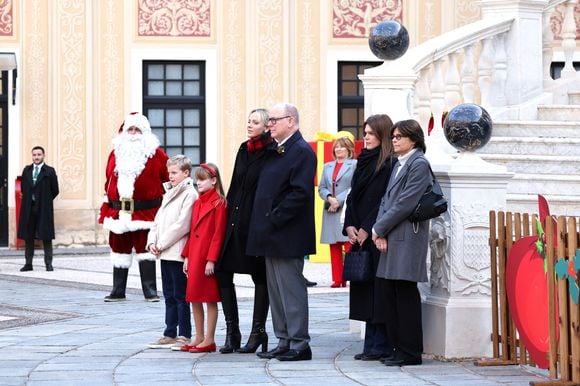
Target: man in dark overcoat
(39, 189)
(282, 230)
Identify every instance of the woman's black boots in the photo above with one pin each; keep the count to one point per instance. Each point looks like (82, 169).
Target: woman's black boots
(258, 336)
(230, 308)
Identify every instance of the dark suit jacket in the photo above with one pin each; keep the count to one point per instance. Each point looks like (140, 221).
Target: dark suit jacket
(45, 191)
(282, 223)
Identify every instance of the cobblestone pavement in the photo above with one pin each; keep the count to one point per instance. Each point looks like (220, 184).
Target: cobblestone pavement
(55, 329)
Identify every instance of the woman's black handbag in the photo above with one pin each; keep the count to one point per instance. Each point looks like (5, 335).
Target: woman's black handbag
(358, 266)
(432, 203)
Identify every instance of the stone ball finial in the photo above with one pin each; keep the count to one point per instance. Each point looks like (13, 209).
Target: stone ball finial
(468, 127)
(389, 40)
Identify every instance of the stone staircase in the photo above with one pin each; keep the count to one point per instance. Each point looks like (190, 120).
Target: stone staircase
(544, 154)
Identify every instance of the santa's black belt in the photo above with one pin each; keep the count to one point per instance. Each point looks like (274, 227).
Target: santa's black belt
(128, 205)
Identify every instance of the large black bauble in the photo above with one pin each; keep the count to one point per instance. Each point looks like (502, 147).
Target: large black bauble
(389, 40)
(468, 127)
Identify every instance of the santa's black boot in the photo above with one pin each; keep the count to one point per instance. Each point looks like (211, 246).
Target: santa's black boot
(119, 285)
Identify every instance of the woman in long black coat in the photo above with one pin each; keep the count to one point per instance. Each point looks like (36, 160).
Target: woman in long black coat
(369, 182)
(249, 162)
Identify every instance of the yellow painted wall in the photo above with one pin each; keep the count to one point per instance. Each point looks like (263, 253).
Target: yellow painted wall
(78, 60)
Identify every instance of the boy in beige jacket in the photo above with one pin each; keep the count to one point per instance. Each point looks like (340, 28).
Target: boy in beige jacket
(166, 240)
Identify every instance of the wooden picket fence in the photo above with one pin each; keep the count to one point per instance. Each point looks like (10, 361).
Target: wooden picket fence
(564, 353)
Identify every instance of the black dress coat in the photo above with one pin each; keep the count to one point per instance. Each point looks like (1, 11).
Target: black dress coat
(282, 221)
(361, 212)
(240, 198)
(45, 191)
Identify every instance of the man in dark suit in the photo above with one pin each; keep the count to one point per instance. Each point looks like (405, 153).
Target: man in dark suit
(282, 230)
(39, 189)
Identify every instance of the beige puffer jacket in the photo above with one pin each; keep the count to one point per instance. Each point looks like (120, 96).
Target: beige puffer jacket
(173, 220)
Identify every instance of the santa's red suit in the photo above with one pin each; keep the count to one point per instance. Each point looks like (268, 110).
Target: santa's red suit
(136, 170)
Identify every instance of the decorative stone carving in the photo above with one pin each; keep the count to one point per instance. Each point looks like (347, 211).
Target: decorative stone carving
(174, 18)
(35, 113)
(6, 18)
(234, 77)
(355, 18)
(270, 44)
(308, 65)
(557, 20)
(466, 12)
(440, 244)
(470, 264)
(72, 94)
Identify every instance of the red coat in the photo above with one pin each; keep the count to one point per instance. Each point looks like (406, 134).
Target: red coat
(206, 237)
(148, 186)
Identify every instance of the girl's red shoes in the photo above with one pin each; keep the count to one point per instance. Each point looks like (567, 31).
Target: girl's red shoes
(338, 284)
(186, 347)
(208, 348)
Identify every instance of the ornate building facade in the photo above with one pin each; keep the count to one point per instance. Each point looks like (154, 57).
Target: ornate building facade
(196, 68)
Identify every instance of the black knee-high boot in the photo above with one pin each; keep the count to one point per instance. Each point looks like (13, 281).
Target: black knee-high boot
(148, 281)
(258, 336)
(230, 308)
(119, 285)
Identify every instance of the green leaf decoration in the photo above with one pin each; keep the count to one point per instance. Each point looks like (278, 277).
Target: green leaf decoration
(573, 288)
(577, 261)
(561, 268)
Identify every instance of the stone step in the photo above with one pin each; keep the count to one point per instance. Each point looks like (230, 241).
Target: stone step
(574, 97)
(536, 129)
(543, 164)
(530, 145)
(560, 205)
(544, 184)
(559, 112)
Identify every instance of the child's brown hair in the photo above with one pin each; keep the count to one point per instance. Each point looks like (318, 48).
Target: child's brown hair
(209, 170)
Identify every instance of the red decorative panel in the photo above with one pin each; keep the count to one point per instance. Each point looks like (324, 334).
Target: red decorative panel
(557, 20)
(181, 18)
(355, 18)
(6, 18)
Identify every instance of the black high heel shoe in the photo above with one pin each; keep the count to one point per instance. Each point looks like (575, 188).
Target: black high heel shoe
(258, 337)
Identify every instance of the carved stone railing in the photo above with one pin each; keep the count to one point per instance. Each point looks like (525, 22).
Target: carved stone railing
(500, 62)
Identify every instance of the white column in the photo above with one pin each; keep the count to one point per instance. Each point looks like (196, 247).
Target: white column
(547, 51)
(388, 92)
(468, 75)
(525, 45)
(457, 306)
(569, 39)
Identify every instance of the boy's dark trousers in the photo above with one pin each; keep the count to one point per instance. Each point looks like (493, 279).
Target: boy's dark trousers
(177, 314)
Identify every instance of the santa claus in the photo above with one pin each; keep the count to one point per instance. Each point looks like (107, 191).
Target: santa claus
(136, 170)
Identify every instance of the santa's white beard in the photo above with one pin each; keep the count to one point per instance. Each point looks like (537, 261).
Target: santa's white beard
(131, 154)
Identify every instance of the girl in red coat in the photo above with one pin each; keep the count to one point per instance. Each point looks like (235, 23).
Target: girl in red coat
(208, 227)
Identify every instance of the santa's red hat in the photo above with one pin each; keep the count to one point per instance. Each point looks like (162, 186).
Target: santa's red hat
(138, 120)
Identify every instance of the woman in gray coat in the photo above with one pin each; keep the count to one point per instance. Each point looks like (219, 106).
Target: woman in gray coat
(333, 188)
(403, 244)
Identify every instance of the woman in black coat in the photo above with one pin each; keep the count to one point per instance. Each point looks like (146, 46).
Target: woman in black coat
(247, 168)
(370, 179)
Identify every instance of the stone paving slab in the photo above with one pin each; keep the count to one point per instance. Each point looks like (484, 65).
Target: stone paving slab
(77, 339)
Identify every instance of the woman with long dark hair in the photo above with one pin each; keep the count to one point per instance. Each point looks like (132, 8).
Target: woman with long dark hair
(374, 165)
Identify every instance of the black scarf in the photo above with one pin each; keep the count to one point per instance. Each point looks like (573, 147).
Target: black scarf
(366, 164)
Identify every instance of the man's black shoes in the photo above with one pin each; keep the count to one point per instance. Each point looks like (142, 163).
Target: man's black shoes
(273, 353)
(296, 355)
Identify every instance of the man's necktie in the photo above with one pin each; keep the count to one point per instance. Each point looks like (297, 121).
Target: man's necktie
(34, 177)
(35, 173)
